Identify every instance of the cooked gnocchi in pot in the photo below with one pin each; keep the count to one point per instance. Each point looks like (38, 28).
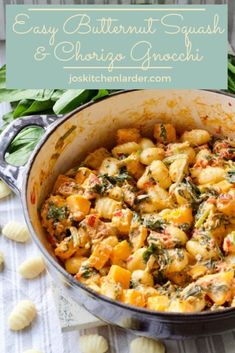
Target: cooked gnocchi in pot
(150, 223)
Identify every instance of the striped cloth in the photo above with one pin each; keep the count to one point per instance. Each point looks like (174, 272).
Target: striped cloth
(45, 332)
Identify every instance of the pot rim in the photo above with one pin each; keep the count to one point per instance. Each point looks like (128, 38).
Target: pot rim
(165, 316)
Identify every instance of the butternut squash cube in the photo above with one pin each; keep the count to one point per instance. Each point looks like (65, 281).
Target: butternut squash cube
(128, 135)
(218, 286)
(110, 288)
(179, 215)
(120, 253)
(78, 203)
(159, 302)
(133, 297)
(164, 133)
(120, 275)
(82, 174)
(100, 255)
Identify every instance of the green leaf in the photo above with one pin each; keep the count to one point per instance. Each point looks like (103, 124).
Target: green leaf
(15, 95)
(30, 107)
(7, 118)
(23, 145)
(72, 99)
(3, 77)
(57, 94)
(101, 94)
(148, 252)
(22, 106)
(231, 67)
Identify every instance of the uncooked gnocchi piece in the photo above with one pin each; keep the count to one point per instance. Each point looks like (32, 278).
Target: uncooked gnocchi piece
(32, 351)
(4, 190)
(93, 344)
(32, 268)
(143, 344)
(16, 231)
(22, 315)
(1, 261)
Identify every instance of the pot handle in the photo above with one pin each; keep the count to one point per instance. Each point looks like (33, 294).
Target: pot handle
(10, 174)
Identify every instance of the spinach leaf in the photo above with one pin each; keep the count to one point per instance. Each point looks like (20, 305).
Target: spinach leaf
(28, 107)
(22, 146)
(150, 251)
(56, 213)
(155, 224)
(15, 95)
(3, 77)
(7, 118)
(163, 132)
(101, 93)
(71, 99)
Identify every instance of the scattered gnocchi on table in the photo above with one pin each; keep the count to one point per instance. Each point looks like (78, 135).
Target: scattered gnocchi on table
(148, 345)
(32, 268)
(4, 190)
(93, 344)
(150, 223)
(22, 315)
(16, 231)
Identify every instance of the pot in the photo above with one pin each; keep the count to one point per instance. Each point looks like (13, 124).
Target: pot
(67, 140)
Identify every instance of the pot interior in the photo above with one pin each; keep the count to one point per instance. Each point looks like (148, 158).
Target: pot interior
(95, 126)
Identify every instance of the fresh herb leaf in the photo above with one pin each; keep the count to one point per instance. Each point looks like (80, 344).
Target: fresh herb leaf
(87, 271)
(117, 179)
(194, 291)
(57, 213)
(159, 277)
(163, 133)
(155, 224)
(150, 251)
(193, 189)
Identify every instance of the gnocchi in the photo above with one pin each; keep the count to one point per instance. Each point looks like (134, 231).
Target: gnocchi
(22, 315)
(93, 344)
(151, 222)
(16, 231)
(4, 190)
(32, 268)
(144, 344)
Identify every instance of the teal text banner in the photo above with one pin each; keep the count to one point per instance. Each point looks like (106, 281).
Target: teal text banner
(117, 46)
